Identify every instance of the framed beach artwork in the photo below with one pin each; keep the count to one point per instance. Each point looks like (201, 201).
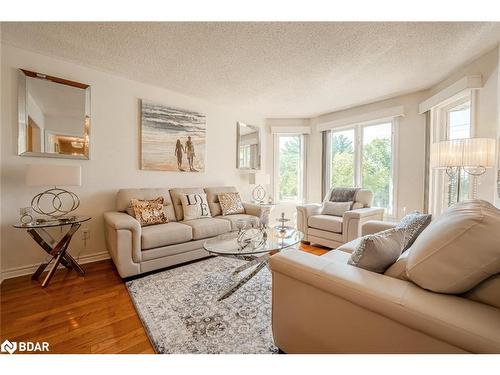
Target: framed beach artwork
(172, 139)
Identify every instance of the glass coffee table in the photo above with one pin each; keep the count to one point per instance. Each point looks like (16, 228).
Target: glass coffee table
(256, 252)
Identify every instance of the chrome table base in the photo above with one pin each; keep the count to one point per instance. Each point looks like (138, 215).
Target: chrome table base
(57, 251)
(260, 262)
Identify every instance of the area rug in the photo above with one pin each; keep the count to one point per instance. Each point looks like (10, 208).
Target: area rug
(181, 314)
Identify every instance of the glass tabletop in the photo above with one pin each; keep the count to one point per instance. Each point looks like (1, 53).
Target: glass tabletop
(50, 222)
(273, 240)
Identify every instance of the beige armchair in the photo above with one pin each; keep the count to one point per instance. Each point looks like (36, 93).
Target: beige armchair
(333, 231)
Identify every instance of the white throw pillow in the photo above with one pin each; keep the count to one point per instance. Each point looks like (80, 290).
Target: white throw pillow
(336, 208)
(195, 206)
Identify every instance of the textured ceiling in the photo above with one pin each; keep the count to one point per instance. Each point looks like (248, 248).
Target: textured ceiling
(275, 69)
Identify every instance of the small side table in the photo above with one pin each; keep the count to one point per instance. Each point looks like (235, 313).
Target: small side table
(58, 250)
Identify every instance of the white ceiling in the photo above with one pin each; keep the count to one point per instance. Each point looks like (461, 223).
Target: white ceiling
(275, 69)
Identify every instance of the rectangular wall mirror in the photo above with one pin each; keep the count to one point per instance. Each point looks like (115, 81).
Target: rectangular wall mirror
(54, 116)
(248, 146)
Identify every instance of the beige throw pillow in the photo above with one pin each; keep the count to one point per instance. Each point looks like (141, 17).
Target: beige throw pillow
(195, 206)
(336, 208)
(230, 203)
(376, 252)
(149, 212)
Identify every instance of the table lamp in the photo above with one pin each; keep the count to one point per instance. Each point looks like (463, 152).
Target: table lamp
(54, 202)
(258, 179)
(473, 155)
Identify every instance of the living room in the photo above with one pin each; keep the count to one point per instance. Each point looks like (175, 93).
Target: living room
(199, 187)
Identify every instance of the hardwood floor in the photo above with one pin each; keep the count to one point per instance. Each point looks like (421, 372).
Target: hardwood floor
(91, 314)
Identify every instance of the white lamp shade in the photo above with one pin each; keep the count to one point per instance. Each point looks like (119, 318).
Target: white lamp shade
(53, 175)
(469, 152)
(260, 179)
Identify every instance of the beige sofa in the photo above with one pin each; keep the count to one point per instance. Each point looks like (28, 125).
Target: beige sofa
(321, 304)
(333, 231)
(135, 249)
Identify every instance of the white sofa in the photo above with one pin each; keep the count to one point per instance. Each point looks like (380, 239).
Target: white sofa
(321, 304)
(136, 250)
(333, 231)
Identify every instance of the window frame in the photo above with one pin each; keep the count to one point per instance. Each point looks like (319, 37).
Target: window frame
(438, 180)
(302, 167)
(358, 156)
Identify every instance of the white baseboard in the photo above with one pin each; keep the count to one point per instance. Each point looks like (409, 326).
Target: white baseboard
(30, 269)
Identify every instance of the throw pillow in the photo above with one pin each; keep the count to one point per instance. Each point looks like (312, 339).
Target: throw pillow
(376, 252)
(149, 212)
(195, 206)
(230, 203)
(413, 224)
(336, 208)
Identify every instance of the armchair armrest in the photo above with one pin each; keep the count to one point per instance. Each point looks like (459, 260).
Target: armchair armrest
(123, 236)
(354, 219)
(303, 213)
(375, 226)
(346, 291)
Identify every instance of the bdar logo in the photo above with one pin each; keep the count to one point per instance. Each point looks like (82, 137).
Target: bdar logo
(9, 347)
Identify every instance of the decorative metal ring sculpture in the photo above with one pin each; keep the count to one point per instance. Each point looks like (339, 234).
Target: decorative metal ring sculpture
(259, 193)
(58, 207)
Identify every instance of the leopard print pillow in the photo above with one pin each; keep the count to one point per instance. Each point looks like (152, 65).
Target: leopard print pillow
(230, 203)
(149, 212)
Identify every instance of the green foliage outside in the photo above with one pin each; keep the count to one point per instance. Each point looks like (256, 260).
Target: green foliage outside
(289, 162)
(342, 171)
(377, 170)
(376, 167)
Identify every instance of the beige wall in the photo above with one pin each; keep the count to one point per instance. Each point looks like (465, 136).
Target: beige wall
(114, 160)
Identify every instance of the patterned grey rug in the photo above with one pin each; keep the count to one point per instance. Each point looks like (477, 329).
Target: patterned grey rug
(181, 314)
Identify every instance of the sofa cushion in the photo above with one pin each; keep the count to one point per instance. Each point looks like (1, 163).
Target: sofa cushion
(176, 195)
(209, 227)
(234, 218)
(398, 268)
(213, 198)
(376, 252)
(326, 222)
(458, 250)
(124, 197)
(164, 235)
(336, 208)
(413, 224)
(487, 292)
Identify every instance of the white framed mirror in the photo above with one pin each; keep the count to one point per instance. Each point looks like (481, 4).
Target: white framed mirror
(248, 146)
(54, 116)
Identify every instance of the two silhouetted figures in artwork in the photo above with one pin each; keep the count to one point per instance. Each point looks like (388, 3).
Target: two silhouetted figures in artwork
(188, 149)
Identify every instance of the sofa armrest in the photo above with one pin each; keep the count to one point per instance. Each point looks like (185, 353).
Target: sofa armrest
(123, 236)
(303, 213)
(253, 209)
(461, 323)
(354, 219)
(375, 226)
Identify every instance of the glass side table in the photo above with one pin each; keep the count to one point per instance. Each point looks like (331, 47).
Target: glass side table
(58, 251)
